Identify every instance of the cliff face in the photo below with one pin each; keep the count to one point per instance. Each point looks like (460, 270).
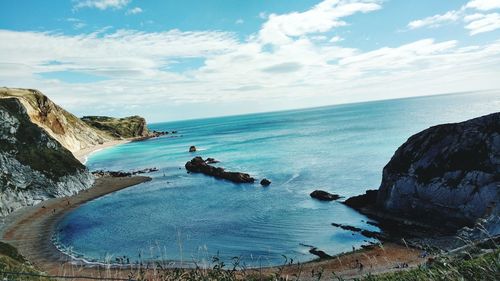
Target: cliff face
(128, 127)
(447, 172)
(63, 126)
(33, 165)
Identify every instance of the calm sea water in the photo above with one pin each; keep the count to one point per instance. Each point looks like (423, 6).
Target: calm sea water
(184, 217)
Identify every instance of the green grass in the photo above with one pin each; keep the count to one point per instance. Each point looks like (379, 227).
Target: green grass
(484, 267)
(12, 261)
(128, 127)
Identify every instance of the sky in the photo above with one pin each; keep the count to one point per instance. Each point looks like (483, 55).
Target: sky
(171, 60)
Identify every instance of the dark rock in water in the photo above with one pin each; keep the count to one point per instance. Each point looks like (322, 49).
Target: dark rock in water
(198, 165)
(323, 195)
(360, 201)
(121, 174)
(449, 172)
(192, 148)
(319, 253)
(347, 227)
(265, 182)
(211, 161)
(366, 233)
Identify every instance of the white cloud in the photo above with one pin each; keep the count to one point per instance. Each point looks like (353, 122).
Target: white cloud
(134, 11)
(476, 23)
(436, 20)
(263, 15)
(101, 4)
(480, 23)
(307, 68)
(279, 29)
(239, 21)
(483, 5)
(336, 39)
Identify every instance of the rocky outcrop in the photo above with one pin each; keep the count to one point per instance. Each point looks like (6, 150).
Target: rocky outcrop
(192, 148)
(448, 173)
(265, 182)
(323, 195)
(198, 165)
(34, 166)
(121, 174)
(121, 128)
(61, 125)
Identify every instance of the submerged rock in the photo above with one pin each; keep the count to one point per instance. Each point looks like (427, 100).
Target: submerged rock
(211, 161)
(323, 195)
(192, 148)
(265, 182)
(198, 165)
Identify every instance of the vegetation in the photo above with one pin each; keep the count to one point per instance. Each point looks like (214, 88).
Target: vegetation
(128, 127)
(484, 267)
(12, 261)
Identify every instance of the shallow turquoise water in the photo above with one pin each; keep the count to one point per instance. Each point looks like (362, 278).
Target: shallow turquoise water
(185, 217)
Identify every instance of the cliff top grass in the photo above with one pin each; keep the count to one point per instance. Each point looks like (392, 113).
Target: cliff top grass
(35, 98)
(127, 127)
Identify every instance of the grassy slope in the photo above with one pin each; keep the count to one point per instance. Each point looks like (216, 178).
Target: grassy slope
(128, 127)
(484, 267)
(12, 261)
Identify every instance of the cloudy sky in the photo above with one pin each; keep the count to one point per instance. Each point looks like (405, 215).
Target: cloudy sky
(170, 60)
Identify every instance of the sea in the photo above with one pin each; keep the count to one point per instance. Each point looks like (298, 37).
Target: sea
(183, 219)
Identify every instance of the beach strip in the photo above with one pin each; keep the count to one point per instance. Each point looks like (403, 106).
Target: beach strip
(83, 154)
(31, 229)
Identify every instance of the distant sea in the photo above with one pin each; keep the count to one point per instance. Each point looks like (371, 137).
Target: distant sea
(191, 217)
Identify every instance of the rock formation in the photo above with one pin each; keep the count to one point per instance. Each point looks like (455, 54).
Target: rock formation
(192, 148)
(265, 182)
(34, 166)
(120, 128)
(323, 195)
(448, 174)
(63, 126)
(198, 165)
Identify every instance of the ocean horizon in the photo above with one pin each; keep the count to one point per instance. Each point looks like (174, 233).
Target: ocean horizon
(179, 217)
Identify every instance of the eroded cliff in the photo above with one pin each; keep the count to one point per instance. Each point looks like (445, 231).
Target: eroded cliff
(34, 166)
(66, 128)
(449, 172)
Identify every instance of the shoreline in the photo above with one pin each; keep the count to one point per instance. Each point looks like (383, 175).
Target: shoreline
(83, 154)
(31, 229)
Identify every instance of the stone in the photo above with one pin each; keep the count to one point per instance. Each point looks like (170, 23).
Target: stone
(198, 165)
(323, 195)
(265, 182)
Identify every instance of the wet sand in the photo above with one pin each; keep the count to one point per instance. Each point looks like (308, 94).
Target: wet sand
(83, 154)
(30, 230)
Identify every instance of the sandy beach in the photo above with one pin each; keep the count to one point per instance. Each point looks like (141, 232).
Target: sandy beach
(83, 154)
(31, 229)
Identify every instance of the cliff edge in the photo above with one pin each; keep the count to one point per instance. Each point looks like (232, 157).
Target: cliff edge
(66, 128)
(34, 166)
(447, 175)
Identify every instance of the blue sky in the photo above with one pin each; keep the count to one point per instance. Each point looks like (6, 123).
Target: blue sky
(170, 60)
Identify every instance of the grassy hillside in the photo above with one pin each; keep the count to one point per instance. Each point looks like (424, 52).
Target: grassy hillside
(12, 261)
(128, 127)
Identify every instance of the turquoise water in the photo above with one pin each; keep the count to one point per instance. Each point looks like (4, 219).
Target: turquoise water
(184, 217)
